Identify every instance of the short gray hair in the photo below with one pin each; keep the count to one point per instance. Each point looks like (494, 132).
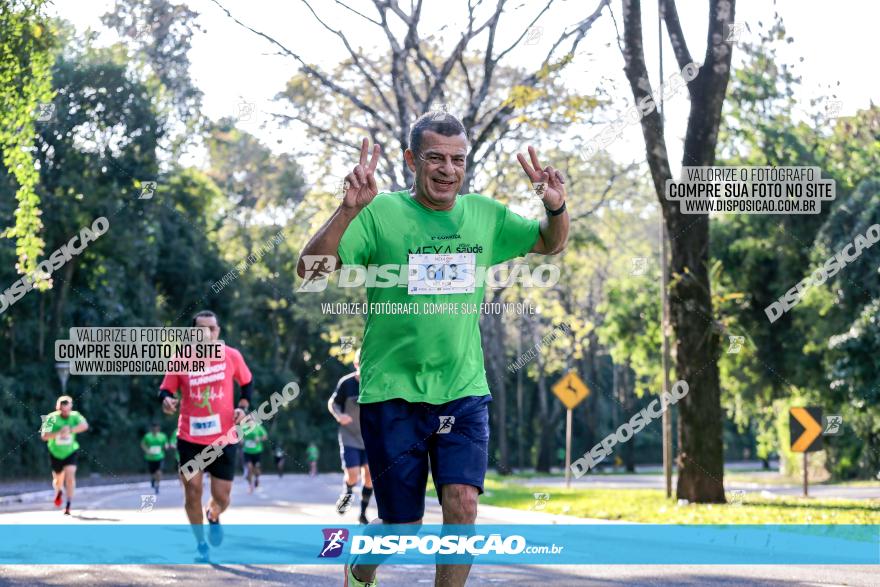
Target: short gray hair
(437, 121)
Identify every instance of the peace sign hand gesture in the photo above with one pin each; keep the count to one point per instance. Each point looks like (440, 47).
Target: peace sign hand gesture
(554, 183)
(360, 185)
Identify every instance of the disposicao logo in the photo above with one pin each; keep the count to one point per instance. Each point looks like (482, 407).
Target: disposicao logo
(334, 541)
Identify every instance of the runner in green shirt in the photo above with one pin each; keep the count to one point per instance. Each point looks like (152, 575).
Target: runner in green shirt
(153, 444)
(172, 446)
(423, 385)
(59, 430)
(312, 458)
(252, 447)
(279, 461)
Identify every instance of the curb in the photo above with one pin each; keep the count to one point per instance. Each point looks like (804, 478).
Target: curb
(47, 495)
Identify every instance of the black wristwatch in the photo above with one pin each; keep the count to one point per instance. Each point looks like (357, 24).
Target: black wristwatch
(556, 212)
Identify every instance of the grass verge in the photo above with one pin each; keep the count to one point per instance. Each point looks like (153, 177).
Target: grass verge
(651, 506)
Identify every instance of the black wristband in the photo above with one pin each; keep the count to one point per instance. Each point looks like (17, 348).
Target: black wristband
(556, 212)
(247, 391)
(163, 393)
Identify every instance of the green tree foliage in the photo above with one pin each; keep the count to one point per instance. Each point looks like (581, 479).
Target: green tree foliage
(26, 53)
(846, 337)
(159, 35)
(819, 352)
(631, 328)
(159, 263)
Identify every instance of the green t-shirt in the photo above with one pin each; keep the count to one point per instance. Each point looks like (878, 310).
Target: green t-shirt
(173, 444)
(62, 447)
(155, 444)
(431, 356)
(312, 453)
(252, 440)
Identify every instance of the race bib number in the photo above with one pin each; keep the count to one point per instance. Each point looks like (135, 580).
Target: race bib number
(250, 444)
(154, 450)
(442, 274)
(64, 440)
(204, 426)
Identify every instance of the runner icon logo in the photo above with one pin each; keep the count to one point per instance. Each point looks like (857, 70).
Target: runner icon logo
(736, 343)
(639, 265)
(317, 269)
(346, 343)
(832, 110)
(735, 30)
(832, 425)
(446, 423)
(533, 35)
(148, 188)
(439, 110)
(541, 500)
(244, 111)
(45, 112)
(736, 496)
(539, 187)
(46, 423)
(334, 541)
(147, 502)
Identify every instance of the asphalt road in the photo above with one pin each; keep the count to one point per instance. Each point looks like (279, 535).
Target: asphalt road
(298, 499)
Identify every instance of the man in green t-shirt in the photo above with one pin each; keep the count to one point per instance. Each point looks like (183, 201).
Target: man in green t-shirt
(252, 448)
(172, 448)
(59, 430)
(423, 391)
(153, 444)
(312, 458)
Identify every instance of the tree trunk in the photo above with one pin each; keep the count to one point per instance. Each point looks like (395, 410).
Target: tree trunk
(288, 359)
(277, 344)
(700, 460)
(61, 300)
(503, 444)
(591, 368)
(627, 388)
(545, 438)
(41, 329)
(520, 411)
(617, 412)
(494, 351)
(501, 427)
(11, 334)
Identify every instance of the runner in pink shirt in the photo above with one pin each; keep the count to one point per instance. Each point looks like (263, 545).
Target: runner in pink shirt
(206, 414)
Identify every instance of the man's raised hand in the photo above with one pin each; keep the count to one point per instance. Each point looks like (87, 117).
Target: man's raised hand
(360, 185)
(554, 190)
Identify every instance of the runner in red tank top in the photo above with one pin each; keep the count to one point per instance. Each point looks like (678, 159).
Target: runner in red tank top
(207, 412)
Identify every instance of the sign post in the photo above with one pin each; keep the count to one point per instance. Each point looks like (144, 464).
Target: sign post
(805, 433)
(568, 447)
(806, 482)
(571, 391)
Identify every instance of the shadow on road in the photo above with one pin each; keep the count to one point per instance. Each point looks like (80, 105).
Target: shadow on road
(94, 518)
(409, 575)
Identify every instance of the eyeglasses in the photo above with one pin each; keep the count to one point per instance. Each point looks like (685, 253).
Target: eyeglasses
(437, 159)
